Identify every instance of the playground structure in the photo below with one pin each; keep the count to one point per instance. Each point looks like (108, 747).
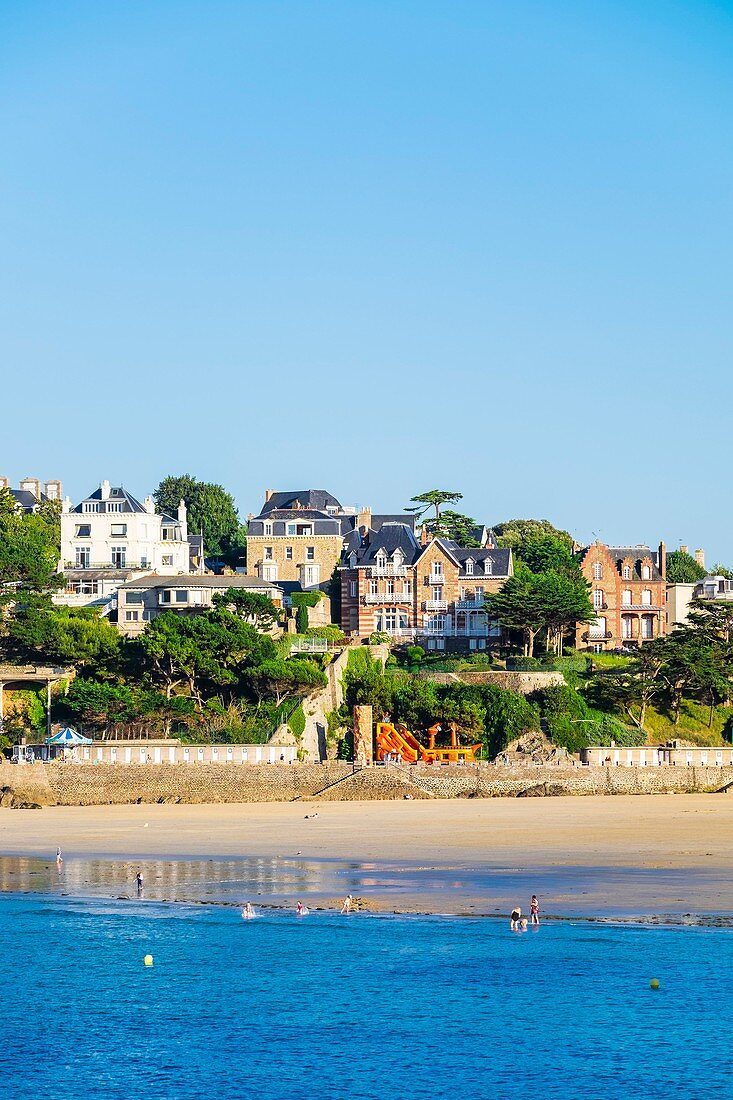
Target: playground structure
(397, 741)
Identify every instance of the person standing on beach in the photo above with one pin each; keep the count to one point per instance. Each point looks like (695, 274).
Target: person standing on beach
(534, 909)
(346, 907)
(139, 881)
(59, 857)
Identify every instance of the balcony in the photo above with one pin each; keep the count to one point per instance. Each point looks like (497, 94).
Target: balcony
(470, 605)
(639, 607)
(597, 636)
(435, 605)
(388, 571)
(387, 597)
(107, 565)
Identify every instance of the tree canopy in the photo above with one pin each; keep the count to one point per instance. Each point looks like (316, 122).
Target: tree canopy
(683, 569)
(512, 533)
(211, 510)
(433, 498)
(532, 602)
(29, 547)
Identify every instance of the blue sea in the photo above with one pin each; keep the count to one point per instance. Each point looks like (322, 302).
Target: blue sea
(363, 1006)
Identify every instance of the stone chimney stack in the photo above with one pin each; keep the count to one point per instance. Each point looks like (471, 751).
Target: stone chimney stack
(105, 487)
(4, 483)
(149, 505)
(700, 558)
(663, 560)
(364, 518)
(268, 494)
(66, 504)
(32, 485)
(684, 549)
(53, 490)
(182, 513)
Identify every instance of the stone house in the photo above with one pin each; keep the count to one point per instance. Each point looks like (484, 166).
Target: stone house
(141, 600)
(628, 594)
(299, 536)
(432, 594)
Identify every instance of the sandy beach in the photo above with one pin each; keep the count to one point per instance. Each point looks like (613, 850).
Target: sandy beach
(651, 856)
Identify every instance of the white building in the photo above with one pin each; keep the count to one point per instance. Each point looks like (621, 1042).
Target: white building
(142, 599)
(111, 530)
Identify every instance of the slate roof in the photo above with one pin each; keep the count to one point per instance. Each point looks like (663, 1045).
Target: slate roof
(378, 522)
(200, 580)
(390, 537)
(116, 494)
(316, 499)
(25, 499)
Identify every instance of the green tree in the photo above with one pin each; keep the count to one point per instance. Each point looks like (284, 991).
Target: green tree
(301, 619)
(683, 569)
(254, 607)
(455, 526)
(286, 678)
(70, 636)
(512, 533)
(211, 510)
(29, 551)
(541, 551)
(434, 498)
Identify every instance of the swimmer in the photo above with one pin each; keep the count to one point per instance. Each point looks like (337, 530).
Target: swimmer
(300, 910)
(515, 918)
(523, 924)
(534, 909)
(348, 902)
(248, 912)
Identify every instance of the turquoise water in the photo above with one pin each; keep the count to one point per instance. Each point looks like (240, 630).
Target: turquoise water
(361, 1006)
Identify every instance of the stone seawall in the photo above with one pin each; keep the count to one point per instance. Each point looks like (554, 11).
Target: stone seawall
(92, 785)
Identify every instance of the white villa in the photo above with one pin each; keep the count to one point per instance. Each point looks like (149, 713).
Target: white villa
(111, 530)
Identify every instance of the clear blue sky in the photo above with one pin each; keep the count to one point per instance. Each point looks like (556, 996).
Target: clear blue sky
(375, 247)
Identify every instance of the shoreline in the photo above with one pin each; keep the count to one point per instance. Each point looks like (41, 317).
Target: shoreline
(648, 859)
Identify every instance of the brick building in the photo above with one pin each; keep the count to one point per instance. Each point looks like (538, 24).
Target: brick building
(628, 593)
(432, 594)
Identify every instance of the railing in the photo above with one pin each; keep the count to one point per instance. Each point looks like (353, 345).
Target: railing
(597, 635)
(314, 645)
(108, 565)
(470, 605)
(435, 605)
(640, 607)
(388, 571)
(387, 597)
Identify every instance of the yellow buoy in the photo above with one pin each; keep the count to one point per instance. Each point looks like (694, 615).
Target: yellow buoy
(654, 983)
(148, 960)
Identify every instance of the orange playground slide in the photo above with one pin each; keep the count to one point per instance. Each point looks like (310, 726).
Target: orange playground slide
(392, 740)
(397, 740)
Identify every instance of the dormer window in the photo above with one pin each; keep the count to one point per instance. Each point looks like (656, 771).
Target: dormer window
(469, 567)
(646, 573)
(381, 560)
(267, 529)
(626, 573)
(488, 566)
(597, 571)
(397, 557)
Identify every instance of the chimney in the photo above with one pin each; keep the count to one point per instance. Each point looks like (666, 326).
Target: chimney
(684, 549)
(53, 490)
(32, 485)
(4, 483)
(182, 510)
(662, 564)
(364, 518)
(268, 494)
(700, 558)
(149, 505)
(105, 490)
(66, 504)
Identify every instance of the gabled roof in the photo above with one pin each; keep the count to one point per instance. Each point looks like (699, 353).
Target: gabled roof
(390, 537)
(116, 494)
(317, 499)
(25, 499)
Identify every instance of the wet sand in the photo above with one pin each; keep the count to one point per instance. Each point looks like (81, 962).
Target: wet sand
(654, 857)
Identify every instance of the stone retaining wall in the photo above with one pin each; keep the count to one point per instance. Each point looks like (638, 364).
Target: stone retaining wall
(89, 785)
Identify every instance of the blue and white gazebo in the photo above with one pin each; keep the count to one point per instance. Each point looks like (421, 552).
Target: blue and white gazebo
(69, 738)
